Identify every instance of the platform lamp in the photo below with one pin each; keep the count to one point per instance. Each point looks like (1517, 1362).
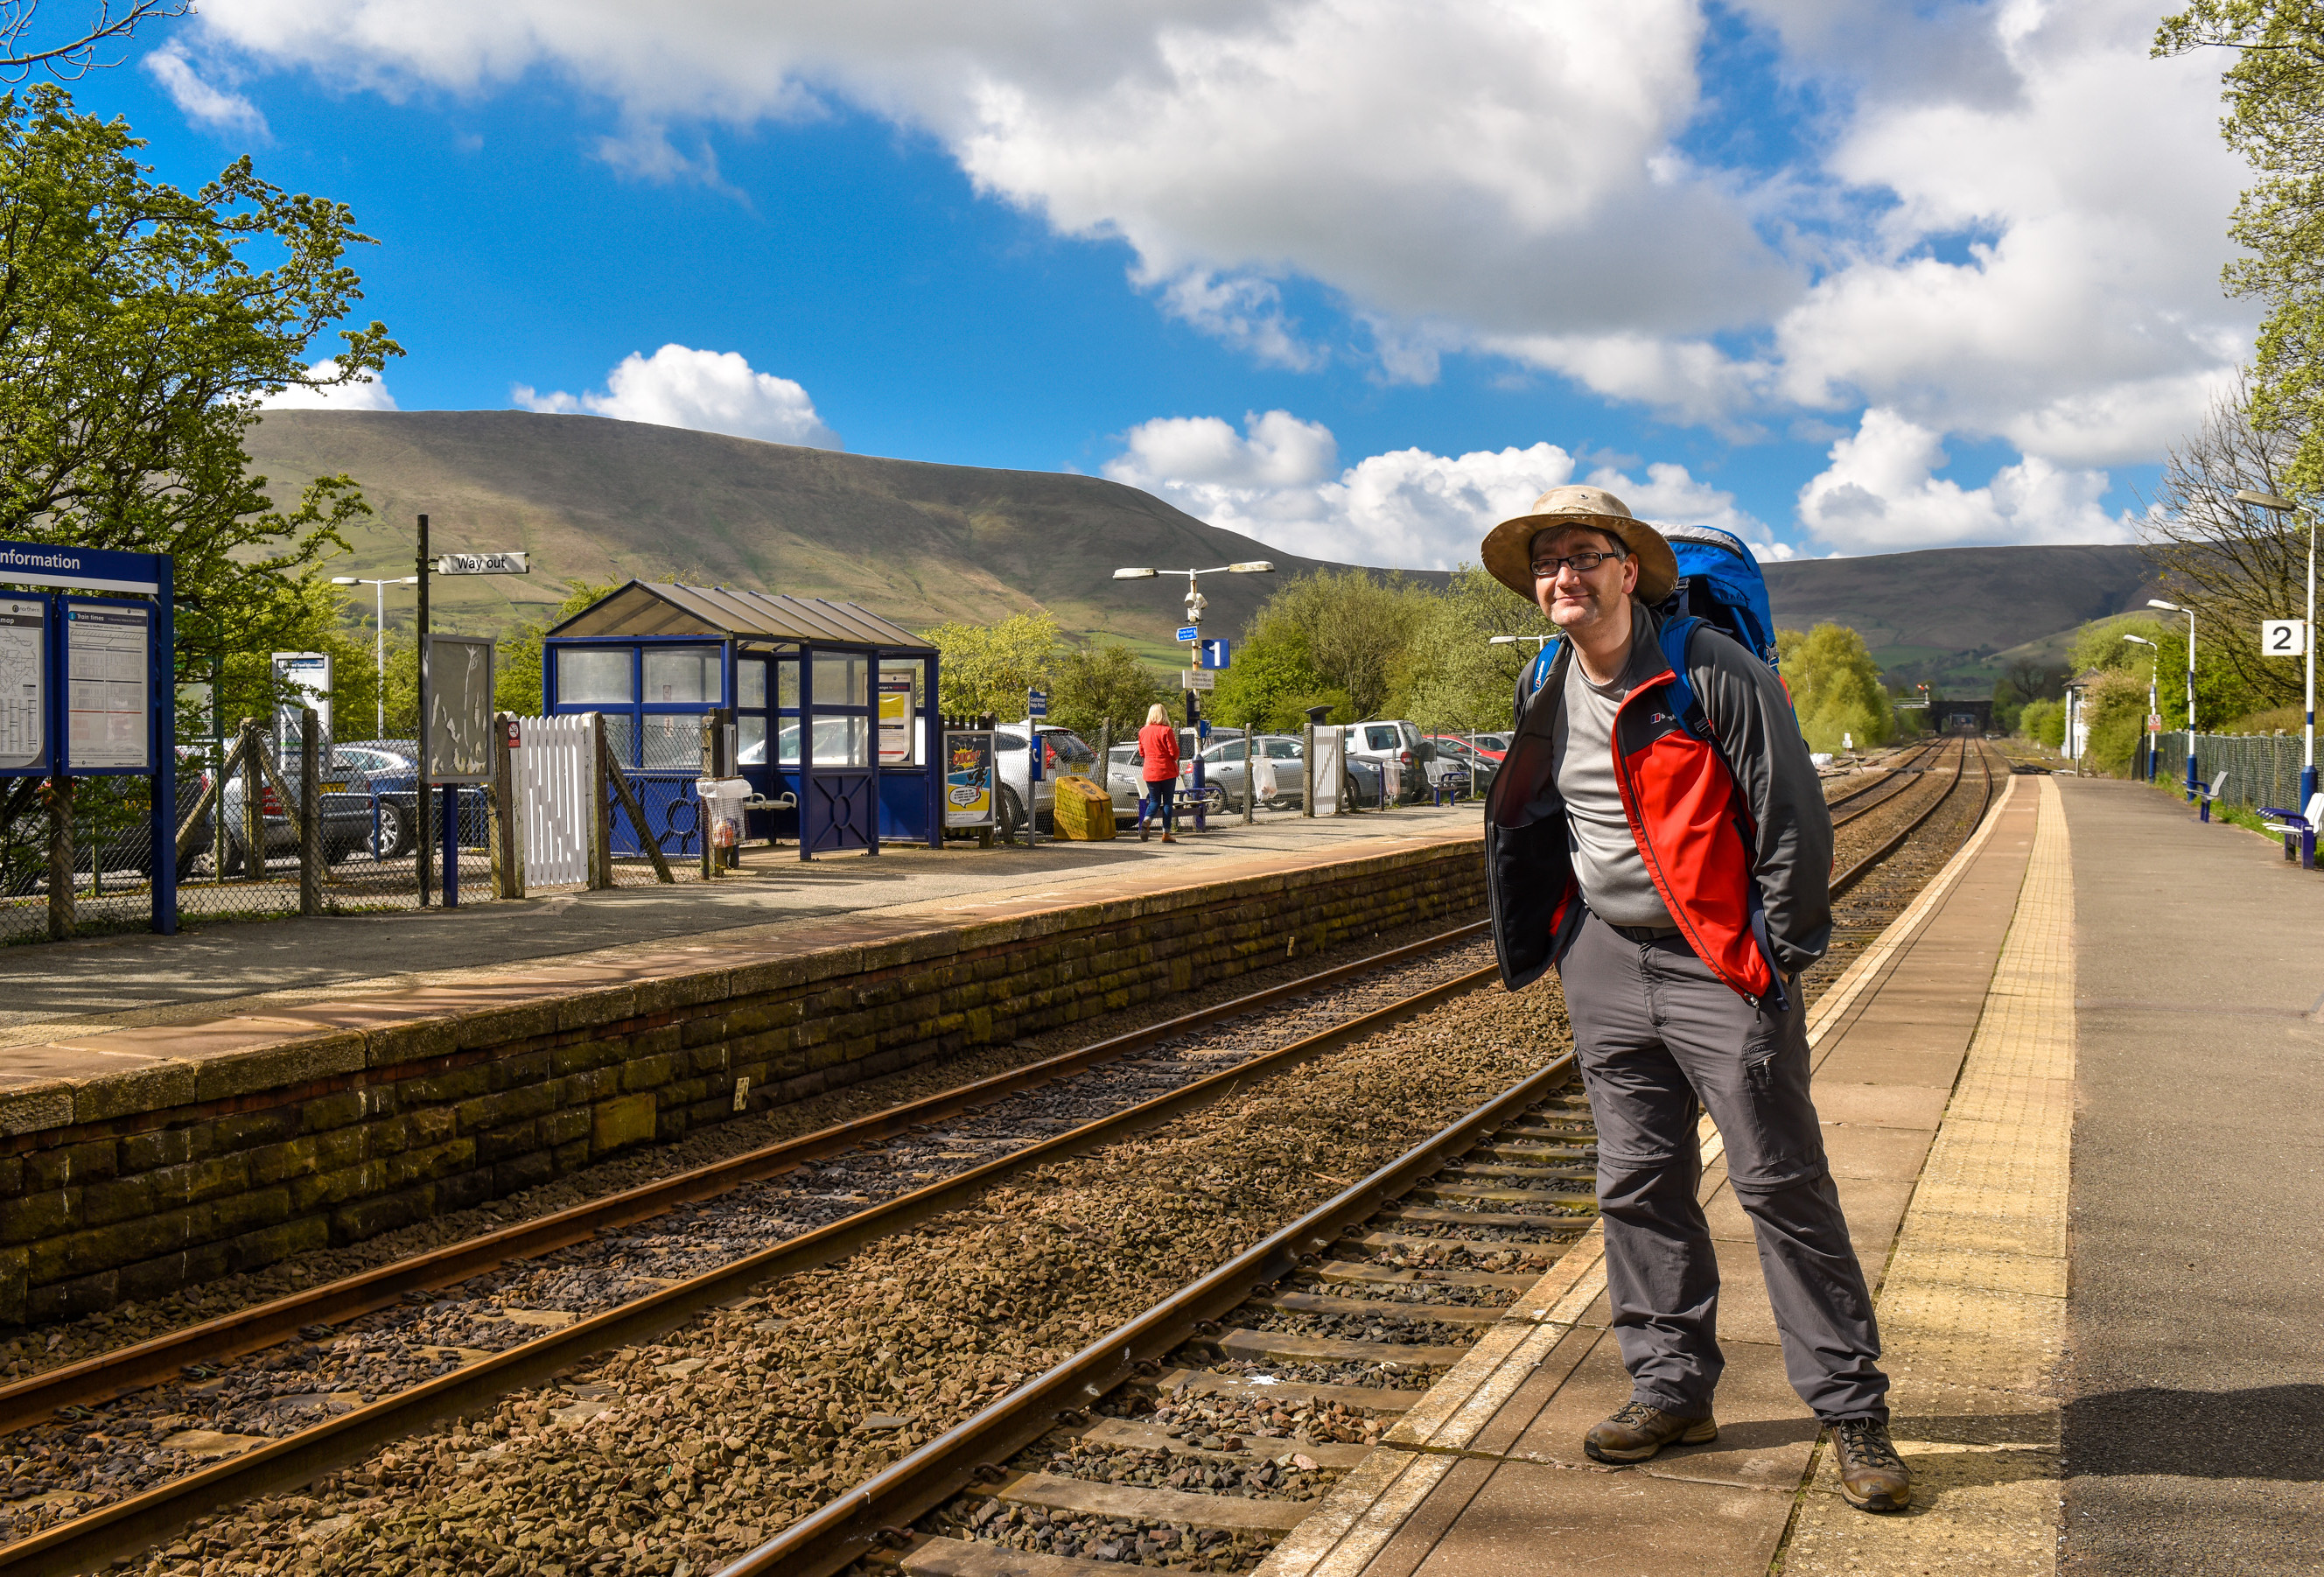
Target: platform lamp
(2279, 506)
(2193, 781)
(1195, 604)
(379, 635)
(2153, 663)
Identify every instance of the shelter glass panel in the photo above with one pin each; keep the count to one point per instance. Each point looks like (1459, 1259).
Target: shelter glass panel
(787, 685)
(751, 684)
(587, 677)
(843, 742)
(678, 676)
(750, 740)
(622, 737)
(670, 742)
(839, 681)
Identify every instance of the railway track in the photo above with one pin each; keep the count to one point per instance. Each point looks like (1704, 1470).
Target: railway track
(1898, 780)
(1188, 1437)
(444, 1331)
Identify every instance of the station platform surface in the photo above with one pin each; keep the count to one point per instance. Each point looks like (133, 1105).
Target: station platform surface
(140, 980)
(2070, 1102)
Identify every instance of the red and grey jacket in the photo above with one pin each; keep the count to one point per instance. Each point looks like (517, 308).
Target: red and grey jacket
(1724, 802)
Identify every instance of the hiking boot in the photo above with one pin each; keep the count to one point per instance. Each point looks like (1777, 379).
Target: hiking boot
(1872, 1476)
(1639, 1430)
(1168, 839)
(1141, 832)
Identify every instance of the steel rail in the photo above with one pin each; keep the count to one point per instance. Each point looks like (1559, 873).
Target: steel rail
(876, 1511)
(1863, 868)
(127, 1526)
(36, 1399)
(1896, 781)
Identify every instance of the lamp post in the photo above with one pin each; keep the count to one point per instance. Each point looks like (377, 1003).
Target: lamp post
(2270, 502)
(1195, 604)
(2192, 777)
(2147, 728)
(379, 636)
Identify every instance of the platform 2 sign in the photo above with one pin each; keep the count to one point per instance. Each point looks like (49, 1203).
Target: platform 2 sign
(2283, 637)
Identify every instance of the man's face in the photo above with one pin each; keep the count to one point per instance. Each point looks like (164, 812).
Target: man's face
(1575, 599)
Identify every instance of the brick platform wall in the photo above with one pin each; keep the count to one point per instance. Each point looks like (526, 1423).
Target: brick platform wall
(242, 1159)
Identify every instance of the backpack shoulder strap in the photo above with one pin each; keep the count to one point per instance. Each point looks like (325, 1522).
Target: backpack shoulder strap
(1536, 675)
(1676, 634)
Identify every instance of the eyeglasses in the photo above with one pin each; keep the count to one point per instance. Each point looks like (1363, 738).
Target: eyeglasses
(1580, 563)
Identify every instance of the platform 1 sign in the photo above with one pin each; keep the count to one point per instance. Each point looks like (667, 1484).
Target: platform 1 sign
(2283, 637)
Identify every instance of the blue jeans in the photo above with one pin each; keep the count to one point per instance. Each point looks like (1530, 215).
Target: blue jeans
(1158, 803)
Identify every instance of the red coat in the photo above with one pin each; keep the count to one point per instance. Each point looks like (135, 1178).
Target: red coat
(1158, 742)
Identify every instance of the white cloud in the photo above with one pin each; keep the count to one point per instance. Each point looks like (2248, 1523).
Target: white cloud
(705, 389)
(2007, 223)
(1880, 495)
(369, 393)
(202, 103)
(1280, 481)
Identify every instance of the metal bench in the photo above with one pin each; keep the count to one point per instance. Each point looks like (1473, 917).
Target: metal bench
(2298, 829)
(2210, 792)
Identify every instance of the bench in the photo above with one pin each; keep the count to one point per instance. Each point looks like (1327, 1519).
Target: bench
(2210, 792)
(2298, 830)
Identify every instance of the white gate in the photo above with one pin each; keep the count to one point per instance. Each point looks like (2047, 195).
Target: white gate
(554, 783)
(1328, 748)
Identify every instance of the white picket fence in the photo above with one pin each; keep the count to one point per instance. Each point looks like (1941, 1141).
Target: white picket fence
(554, 789)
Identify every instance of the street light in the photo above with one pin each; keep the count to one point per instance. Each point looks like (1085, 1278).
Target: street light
(1539, 640)
(2153, 663)
(2193, 779)
(1195, 604)
(379, 635)
(2269, 501)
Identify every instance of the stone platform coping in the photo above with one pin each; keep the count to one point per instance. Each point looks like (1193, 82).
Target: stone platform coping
(298, 1038)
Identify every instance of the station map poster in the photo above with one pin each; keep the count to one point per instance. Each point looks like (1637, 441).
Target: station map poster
(24, 684)
(459, 745)
(968, 779)
(105, 674)
(894, 716)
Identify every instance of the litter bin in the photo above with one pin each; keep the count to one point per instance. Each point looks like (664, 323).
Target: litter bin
(1083, 810)
(723, 804)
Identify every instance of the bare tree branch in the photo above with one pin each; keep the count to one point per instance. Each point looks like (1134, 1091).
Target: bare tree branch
(71, 61)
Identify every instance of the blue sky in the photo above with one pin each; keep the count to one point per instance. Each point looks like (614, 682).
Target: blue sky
(1357, 277)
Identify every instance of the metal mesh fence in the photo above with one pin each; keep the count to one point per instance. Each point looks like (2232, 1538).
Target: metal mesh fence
(373, 848)
(2263, 769)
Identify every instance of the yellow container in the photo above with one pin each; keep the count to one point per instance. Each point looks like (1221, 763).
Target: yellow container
(1084, 811)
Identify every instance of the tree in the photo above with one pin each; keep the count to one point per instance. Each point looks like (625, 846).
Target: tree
(2044, 722)
(1093, 685)
(988, 667)
(2274, 93)
(1450, 676)
(75, 55)
(516, 679)
(1273, 682)
(2233, 565)
(1835, 686)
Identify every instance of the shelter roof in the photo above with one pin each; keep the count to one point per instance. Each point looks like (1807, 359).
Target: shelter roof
(652, 608)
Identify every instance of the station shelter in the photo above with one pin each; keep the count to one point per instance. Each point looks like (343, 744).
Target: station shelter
(660, 660)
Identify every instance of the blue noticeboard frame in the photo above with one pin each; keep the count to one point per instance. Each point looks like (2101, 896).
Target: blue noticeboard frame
(141, 574)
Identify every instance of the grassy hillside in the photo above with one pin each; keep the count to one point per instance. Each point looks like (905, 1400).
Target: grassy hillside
(1954, 615)
(593, 499)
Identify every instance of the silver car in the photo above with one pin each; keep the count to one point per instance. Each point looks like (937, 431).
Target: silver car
(1281, 760)
(1125, 780)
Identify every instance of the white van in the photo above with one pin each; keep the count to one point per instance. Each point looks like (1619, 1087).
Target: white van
(1402, 754)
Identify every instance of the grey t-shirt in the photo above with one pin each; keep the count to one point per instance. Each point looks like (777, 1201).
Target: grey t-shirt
(1606, 863)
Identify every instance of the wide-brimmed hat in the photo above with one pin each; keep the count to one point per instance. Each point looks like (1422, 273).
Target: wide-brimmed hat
(1508, 552)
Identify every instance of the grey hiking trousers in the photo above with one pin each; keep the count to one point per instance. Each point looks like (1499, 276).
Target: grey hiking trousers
(1654, 1031)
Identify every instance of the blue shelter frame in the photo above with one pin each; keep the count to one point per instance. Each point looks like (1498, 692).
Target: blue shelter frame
(801, 676)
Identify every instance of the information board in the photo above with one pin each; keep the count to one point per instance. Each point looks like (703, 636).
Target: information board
(106, 728)
(24, 684)
(459, 743)
(895, 701)
(307, 675)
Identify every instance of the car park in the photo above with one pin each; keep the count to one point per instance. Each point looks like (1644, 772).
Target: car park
(1396, 747)
(1125, 779)
(1476, 764)
(1280, 763)
(385, 774)
(346, 810)
(1062, 751)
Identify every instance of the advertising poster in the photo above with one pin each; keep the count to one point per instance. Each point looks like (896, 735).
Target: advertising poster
(459, 743)
(895, 717)
(968, 779)
(24, 684)
(105, 648)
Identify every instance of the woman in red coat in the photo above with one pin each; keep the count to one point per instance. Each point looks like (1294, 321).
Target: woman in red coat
(1157, 749)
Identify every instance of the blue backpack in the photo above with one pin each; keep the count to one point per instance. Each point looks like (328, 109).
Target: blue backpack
(1719, 585)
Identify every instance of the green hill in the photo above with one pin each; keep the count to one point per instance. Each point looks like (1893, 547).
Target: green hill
(594, 499)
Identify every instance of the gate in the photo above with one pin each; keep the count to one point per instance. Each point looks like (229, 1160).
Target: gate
(555, 790)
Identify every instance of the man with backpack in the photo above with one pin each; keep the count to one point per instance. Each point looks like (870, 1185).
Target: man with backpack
(1658, 833)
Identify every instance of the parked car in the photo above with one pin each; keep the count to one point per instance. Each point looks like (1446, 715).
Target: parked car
(384, 773)
(1479, 745)
(346, 812)
(1281, 775)
(1062, 751)
(1476, 765)
(1402, 755)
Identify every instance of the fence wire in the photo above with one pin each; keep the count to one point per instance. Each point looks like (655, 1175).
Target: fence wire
(2263, 769)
